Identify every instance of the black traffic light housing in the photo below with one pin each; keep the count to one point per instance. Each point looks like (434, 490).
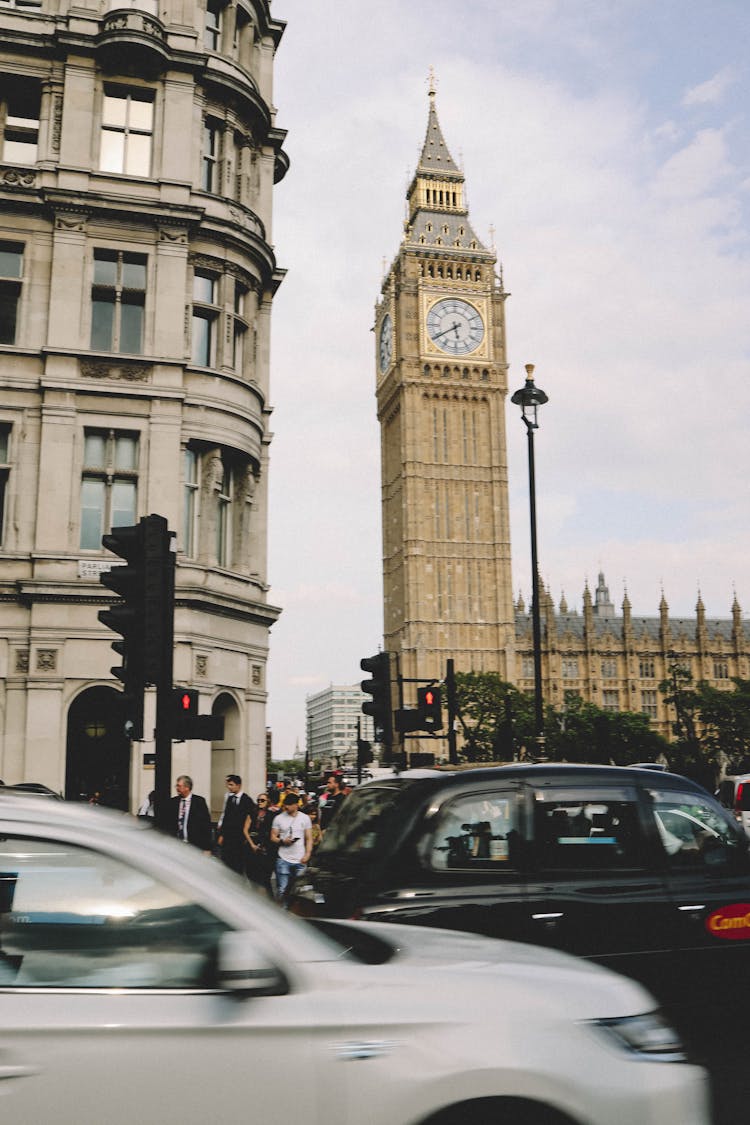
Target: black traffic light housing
(364, 753)
(429, 708)
(187, 723)
(144, 616)
(379, 687)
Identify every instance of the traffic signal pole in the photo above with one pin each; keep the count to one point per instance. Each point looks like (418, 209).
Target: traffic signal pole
(164, 698)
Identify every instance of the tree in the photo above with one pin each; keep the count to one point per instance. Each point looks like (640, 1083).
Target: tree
(583, 732)
(496, 718)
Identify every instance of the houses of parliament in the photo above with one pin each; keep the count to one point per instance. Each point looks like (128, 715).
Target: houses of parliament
(441, 385)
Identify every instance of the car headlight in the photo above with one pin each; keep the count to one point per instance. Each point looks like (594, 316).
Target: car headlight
(648, 1037)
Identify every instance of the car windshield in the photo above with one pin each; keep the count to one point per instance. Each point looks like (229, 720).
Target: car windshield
(361, 823)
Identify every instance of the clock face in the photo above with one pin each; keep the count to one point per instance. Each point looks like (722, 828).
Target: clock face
(455, 326)
(386, 342)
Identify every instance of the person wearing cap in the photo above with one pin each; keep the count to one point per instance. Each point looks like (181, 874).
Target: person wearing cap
(292, 833)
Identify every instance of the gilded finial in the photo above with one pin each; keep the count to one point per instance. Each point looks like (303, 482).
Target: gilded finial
(492, 238)
(431, 82)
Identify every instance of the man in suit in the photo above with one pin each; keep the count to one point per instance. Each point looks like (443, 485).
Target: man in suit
(189, 817)
(236, 821)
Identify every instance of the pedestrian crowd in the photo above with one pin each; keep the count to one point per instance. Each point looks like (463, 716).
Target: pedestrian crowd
(268, 839)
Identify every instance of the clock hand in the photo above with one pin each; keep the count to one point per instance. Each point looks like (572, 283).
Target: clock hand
(453, 328)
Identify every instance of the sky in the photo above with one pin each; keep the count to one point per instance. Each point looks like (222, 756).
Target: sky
(607, 144)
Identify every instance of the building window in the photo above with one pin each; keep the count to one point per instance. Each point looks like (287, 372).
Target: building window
(4, 474)
(240, 327)
(11, 271)
(127, 127)
(212, 30)
(609, 669)
(108, 484)
(570, 667)
(527, 667)
(610, 700)
(210, 165)
(224, 518)
(205, 318)
(118, 298)
(19, 120)
(22, 5)
(721, 670)
(191, 484)
(650, 704)
(646, 669)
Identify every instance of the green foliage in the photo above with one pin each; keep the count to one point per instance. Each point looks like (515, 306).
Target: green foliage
(497, 722)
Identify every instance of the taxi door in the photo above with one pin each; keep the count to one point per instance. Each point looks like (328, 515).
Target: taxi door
(594, 887)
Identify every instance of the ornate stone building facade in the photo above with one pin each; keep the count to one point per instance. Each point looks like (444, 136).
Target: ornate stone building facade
(138, 154)
(441, 386)
(618, 661)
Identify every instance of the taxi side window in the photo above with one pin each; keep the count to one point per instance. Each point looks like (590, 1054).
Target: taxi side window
(580, 832)
(71, 917)
(693, 832)
(475, 831)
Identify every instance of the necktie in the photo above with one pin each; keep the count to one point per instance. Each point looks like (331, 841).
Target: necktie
(181, 819)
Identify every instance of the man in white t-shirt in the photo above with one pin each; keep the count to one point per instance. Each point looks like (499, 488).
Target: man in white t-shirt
(292, 832)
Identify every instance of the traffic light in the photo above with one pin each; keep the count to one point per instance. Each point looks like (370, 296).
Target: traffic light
(144, 617)
(379, 687)
(187, 723)
(126, 618)
(364, 753)
(429, 708)
(185, 712)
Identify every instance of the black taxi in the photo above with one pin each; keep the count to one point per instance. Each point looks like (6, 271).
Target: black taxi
(640, 870)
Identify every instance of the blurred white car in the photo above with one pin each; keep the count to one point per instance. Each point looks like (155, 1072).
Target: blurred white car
(142, 982)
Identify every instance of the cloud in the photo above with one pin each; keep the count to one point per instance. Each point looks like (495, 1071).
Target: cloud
(712, 91)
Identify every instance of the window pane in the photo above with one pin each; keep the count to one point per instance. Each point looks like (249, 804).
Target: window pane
(112, 157)
(18, 151)
(131, 326)
(138, 160)
(237, 350)
(477, 830)
(90, 921)
(4, 436)
(587, 832)
(8, 311)
(693, 833)
(191, 466)
(95, 451)
(201, 341)
(92, 513)
(133, 271)
(123, 503)
(11, 260)
(105, 267)
(204, 288)
(102, 324)
(114, 110)
(126, 452)
(141, 113)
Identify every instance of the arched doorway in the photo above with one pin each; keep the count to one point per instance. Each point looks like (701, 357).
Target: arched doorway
(97, 752)
(224, 753)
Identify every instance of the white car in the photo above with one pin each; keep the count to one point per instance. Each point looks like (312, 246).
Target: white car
(142, 982)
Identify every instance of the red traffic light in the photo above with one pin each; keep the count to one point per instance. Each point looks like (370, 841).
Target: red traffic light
(185, 701)
(429, 697)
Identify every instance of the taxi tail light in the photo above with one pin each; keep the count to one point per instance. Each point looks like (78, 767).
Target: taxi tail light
(738, 796)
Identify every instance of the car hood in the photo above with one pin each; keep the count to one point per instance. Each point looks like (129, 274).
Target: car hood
(587, 990)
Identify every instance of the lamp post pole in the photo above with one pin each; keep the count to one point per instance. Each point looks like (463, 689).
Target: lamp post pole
(530, 398)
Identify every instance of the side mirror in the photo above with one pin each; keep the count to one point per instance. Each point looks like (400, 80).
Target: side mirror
(245, 969)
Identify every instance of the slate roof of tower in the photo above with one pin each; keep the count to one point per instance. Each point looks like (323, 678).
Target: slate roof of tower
(647, 627)
(435, 155)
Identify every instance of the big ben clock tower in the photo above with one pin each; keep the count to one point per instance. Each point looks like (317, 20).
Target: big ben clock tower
(441, 387)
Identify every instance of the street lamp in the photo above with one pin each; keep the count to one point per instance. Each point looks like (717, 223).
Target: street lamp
(530, 398)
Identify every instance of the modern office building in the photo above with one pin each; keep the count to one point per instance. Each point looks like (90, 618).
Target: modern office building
(138, 155)
(332, 724)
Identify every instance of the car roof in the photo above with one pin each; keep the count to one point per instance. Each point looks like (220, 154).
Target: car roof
(539, 773)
